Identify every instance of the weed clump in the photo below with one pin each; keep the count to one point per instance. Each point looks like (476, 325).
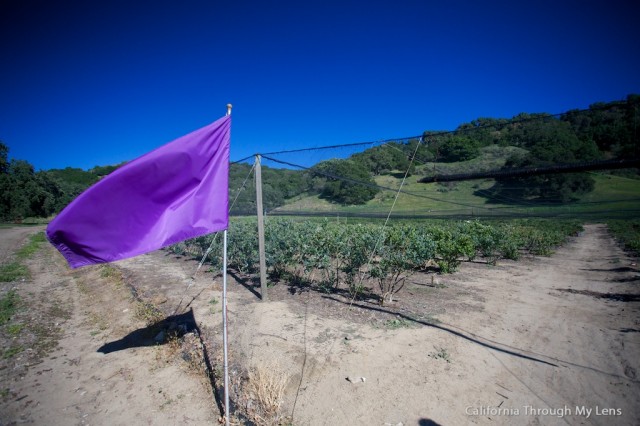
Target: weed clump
(13, 272)
(8, 305)
(442, 353)
(148, 313)
(32, 246)
(264, 391)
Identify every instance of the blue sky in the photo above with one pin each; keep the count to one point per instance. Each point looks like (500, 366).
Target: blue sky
(85, 83)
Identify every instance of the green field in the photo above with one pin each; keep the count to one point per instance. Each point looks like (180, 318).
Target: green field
(613, 196)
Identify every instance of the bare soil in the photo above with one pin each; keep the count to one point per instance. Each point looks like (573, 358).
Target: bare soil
(545, 340)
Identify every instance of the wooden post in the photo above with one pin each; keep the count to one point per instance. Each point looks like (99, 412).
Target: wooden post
(263, 262)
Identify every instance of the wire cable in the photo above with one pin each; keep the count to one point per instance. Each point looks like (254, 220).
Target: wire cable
(243, 159)
(372, 185)
(375, 247)
(213, 240)
(499, 125)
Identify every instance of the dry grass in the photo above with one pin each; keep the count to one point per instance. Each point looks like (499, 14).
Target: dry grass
(148, 313)
(113, 274)
(265, 388)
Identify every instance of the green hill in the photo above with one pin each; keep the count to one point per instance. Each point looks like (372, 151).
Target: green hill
(613, 196)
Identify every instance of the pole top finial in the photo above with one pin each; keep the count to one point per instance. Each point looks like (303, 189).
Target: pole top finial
(229, 106)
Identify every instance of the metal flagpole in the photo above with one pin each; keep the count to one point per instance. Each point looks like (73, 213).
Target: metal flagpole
(224, 320)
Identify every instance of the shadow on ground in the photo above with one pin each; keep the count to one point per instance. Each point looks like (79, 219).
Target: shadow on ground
(154, 334)
(159, 333)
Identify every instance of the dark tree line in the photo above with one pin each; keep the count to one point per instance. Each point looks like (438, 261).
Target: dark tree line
(278, 185)
(26, 193)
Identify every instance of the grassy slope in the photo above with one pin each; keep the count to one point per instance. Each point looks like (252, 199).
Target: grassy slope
(459, 198)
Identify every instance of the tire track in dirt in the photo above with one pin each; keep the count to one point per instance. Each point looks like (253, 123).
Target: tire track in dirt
(579, 332)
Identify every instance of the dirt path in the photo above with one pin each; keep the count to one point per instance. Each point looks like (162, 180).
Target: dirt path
(555, 314)
(12, 239)
(58, 377)
(538, 341)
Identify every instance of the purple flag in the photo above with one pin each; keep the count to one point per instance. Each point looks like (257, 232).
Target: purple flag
(176, 192)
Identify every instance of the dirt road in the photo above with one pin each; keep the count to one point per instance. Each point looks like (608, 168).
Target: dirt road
(540, 341)
(58, 377)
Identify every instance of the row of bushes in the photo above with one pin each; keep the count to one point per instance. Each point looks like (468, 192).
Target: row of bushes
(333, 256)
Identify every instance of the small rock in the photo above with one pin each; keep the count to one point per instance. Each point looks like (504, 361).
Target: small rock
(356, 379)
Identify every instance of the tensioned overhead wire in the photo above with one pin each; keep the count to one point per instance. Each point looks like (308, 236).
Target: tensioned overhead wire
(243, 159)
(384, 225)
(388, 142)
(503, 198)
(385, 188)
(371, 185)
(213, 240)
(486, 193)
(508, 122)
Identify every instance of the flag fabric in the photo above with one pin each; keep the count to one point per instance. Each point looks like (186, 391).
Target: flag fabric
(176, 192)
